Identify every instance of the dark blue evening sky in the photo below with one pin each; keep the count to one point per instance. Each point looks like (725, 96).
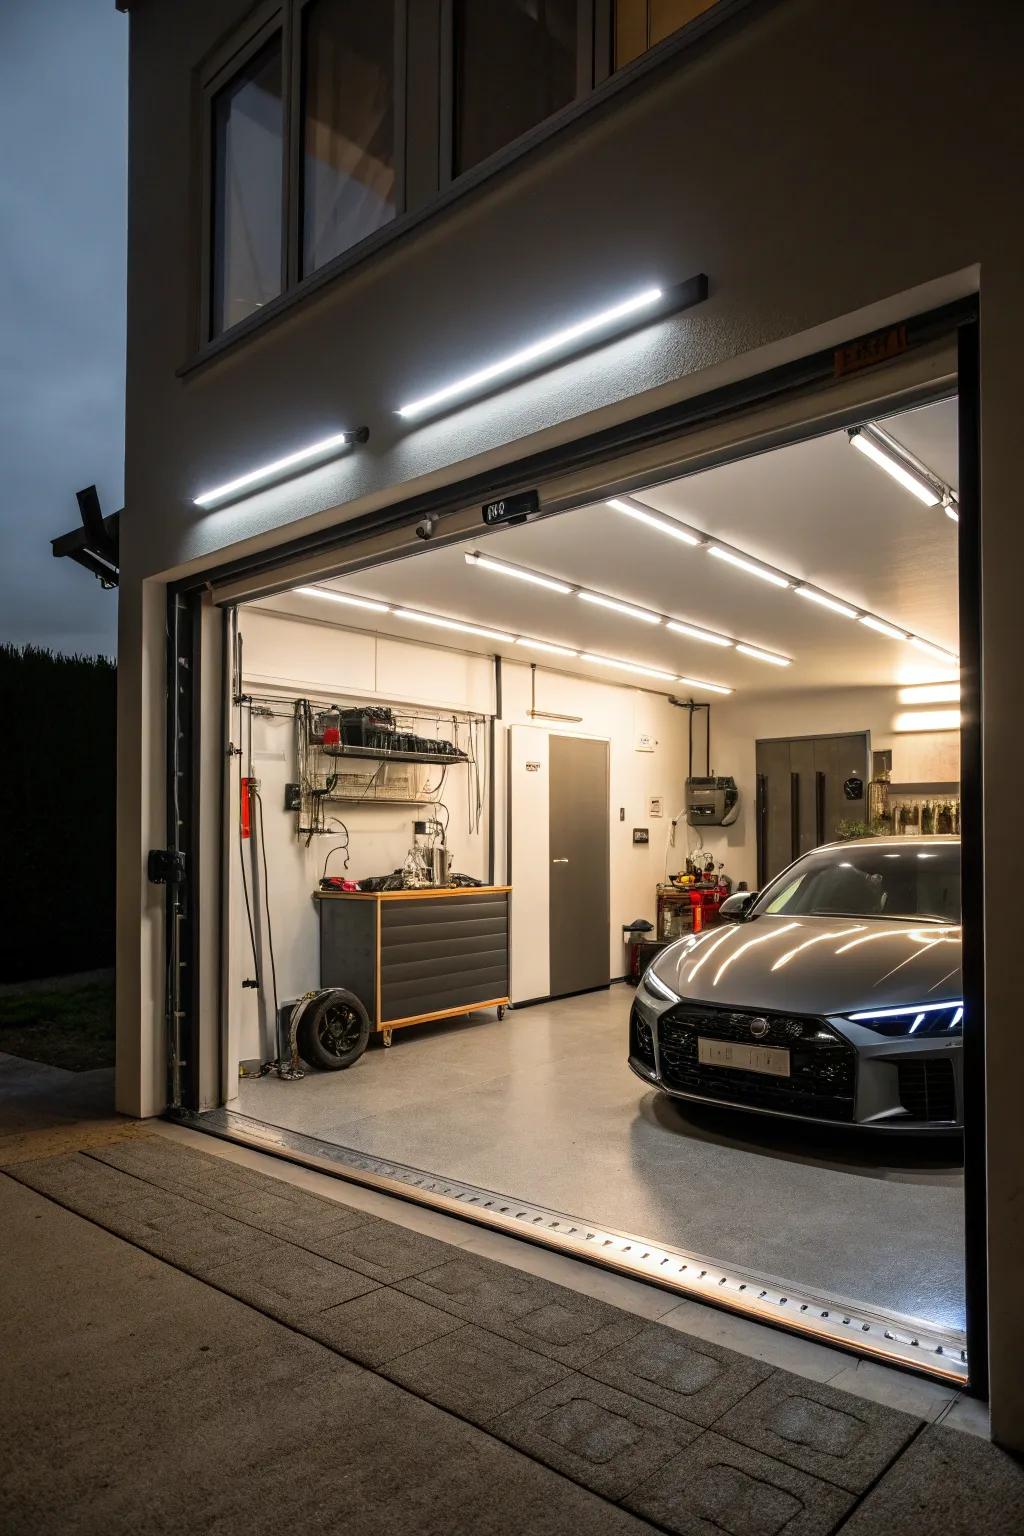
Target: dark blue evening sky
(63, 125)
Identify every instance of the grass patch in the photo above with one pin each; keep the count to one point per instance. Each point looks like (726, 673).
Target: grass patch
(74, 1030)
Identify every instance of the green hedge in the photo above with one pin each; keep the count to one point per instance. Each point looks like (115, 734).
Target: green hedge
(57, 793)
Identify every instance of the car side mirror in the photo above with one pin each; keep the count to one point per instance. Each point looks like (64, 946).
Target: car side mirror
(735, 907)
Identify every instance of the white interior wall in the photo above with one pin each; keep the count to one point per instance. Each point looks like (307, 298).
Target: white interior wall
(738, 724)
(287, 657)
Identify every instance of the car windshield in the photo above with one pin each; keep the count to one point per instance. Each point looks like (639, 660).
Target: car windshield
(922, 883)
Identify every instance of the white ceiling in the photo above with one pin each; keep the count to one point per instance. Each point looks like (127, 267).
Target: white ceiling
(818, 511)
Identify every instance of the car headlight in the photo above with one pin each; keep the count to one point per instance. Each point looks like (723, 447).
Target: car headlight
(914, 1019)
(656, 987)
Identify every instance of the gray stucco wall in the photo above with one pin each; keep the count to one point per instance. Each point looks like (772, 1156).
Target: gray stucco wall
(820, 160)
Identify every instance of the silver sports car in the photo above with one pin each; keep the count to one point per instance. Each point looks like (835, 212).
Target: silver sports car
(833, 995)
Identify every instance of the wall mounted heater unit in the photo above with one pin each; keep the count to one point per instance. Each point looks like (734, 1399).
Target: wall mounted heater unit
(712, 802)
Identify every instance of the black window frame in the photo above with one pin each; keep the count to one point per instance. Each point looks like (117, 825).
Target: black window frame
(424, 107)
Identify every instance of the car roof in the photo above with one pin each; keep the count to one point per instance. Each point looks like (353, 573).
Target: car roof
(901, 840)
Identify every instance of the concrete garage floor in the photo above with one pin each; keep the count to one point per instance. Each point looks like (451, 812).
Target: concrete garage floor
(542, 1106)
(233, 1352)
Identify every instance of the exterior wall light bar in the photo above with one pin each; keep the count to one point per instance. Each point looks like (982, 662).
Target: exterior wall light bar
(888, 455)
(679, 628)
(456, 624)
(485, 562)
(638, 309)
(643, 614)
(824, 601)
(750, 566)
(662, 524)
(343, 597)
(757, 654)
(296, 463)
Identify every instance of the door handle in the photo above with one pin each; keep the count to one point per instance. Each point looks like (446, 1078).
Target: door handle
(559, 861)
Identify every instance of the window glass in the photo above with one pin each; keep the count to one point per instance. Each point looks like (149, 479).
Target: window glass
(872, 881)
(639, 24)
(248, 123)
(349, 184)
(515, 64)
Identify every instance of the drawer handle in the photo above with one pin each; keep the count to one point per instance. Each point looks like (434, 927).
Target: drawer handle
(559, 861)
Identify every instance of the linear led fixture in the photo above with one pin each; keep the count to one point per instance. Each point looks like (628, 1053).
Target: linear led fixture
(628, 666)
(927, 720)
(930, 693)
(756, 653)
(282, 469)
(824, 601)
(636, 310)
(627, 609)
(696, 682)
(877, 448)
(750, 566)
(679, 628)
(456, 624)
(486, 563)
(935, 651)
(882, 628)
(548, 646)
(344, 597)
(662, 524)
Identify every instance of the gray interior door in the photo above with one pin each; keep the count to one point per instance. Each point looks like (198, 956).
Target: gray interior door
(579, 883)
(806, 785)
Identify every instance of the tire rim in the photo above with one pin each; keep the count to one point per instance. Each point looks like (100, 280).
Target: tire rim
(338, 1029)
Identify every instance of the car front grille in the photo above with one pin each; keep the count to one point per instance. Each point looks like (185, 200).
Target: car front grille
(928, 1089)
(641, 1045)
(822, 1076)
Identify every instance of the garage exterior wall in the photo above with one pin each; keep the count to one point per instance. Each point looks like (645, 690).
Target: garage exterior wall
(831, 167)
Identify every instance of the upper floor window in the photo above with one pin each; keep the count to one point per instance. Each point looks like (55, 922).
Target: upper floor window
(348, 107)
(640, 24)
(515, 64)
(248, 139)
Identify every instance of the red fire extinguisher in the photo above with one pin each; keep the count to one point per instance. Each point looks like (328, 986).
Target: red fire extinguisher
(245, 806)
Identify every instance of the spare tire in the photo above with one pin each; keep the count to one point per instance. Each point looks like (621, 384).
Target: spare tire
(333, 1031)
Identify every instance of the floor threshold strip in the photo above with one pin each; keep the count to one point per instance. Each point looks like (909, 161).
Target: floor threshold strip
(889, 1338)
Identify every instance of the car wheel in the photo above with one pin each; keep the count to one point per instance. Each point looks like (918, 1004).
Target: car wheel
(333, 1030)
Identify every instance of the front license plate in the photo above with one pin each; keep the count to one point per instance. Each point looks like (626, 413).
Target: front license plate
(748, 1058)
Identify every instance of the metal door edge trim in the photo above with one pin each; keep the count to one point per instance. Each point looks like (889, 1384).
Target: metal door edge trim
(891, 1339)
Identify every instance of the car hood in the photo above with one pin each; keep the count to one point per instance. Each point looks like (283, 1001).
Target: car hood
(818, 965)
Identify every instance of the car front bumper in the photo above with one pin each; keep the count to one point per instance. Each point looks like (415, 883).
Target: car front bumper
(857, 1078)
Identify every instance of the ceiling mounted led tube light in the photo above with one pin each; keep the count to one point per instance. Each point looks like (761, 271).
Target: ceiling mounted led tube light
(696, 682)
(679, 628)
(626, 609)
(750, 566)
(935, 651)
(344, 597)
(824, 601)
(756, 653)
(870, 443)
(628, 666)
(485, 562)
(547, 646)
(638, 309)
(310, 457)
(456, 624)
(652, 520)
(882, 628)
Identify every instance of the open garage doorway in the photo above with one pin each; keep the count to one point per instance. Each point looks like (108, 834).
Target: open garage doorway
(508, 881)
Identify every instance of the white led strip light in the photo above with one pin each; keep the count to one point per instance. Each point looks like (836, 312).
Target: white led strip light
(516, 362)
(310, 457)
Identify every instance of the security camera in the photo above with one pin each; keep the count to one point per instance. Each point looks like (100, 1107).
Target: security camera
(427, 528)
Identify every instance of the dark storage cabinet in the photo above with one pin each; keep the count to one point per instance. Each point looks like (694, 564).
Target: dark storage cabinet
(410, 956)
